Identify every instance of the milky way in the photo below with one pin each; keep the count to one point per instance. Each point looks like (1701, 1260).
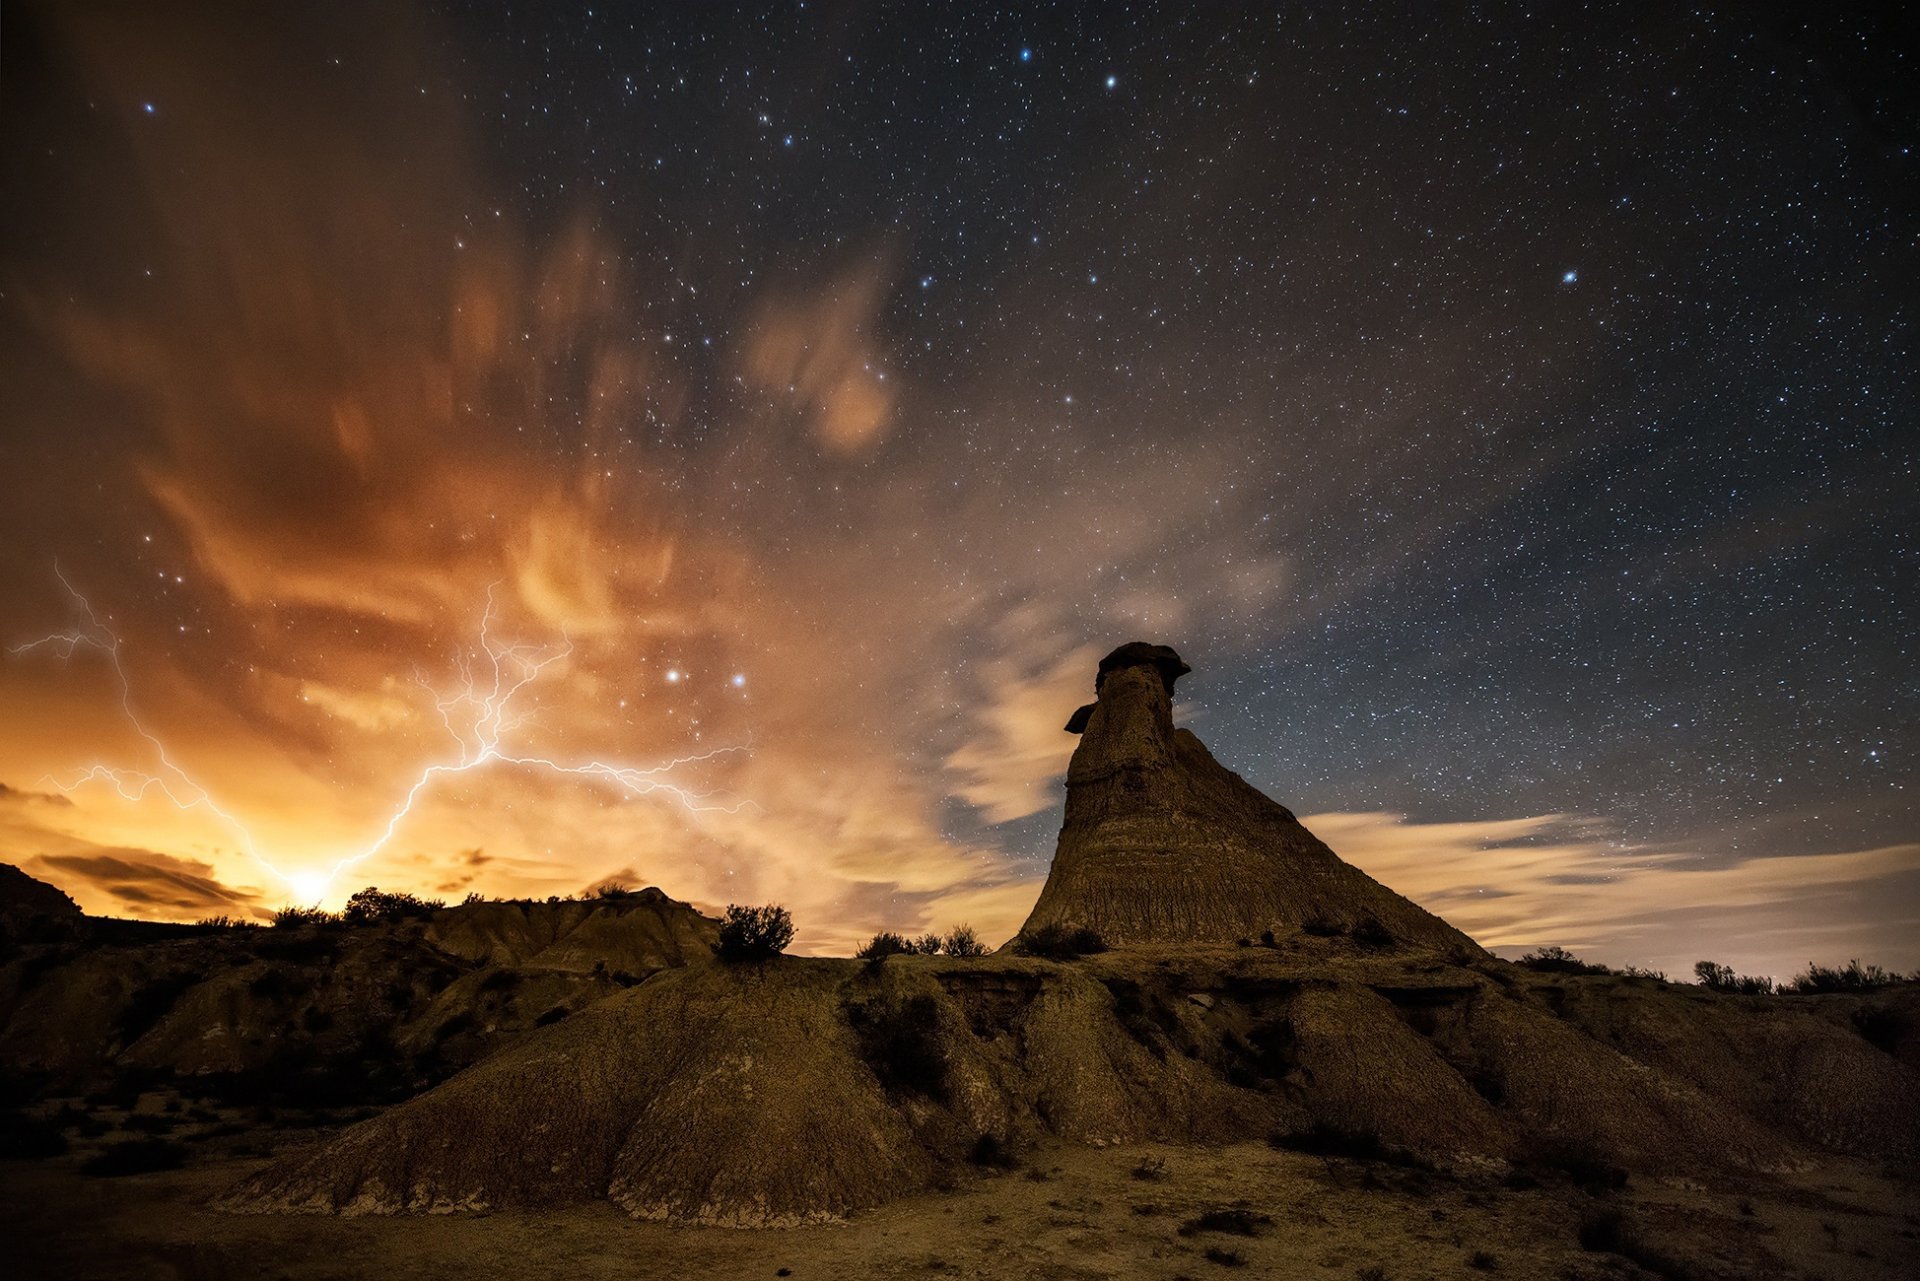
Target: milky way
(1511, 418)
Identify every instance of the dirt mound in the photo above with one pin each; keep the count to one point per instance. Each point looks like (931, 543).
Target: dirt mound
(379, 1005)
(1164, 844)
(803, 1090)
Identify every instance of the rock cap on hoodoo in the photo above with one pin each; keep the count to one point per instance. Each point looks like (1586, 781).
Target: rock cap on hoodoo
(1161, 658)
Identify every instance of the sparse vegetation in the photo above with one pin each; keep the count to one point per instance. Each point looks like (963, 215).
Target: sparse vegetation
(1721, 978)
(1151, 1170)
(1058, 942)
(1851, 977)
(1636, 972)
(962, 942)
(292, 918)
(1324, 1140)
(373, 905)
(1483, 1261)
(1231, 1222)
(928, 945)
(225, 922)
(884, 944)
(1554, 959)
(754, 933)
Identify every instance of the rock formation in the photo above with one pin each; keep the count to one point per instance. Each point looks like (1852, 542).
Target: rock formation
(1163, 844)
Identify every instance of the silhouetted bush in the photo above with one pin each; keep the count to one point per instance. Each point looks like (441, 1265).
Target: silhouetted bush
(884, 944)
(1059, 942)
(754, 933)
(928, 945)
(473, 896)
(1851, 977)
(1554, 959)
(135, 1156)
(371, 906)
(1636, 972)
(224, 922)
(288, 918)
(1721, 978)
(612, 890)
(961, 941)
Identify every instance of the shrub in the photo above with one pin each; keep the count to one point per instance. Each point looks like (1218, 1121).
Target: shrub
(473, 896)
(1554, 959)
(1059, 942)
(1636, 972)
(1851, 977)
(1326, 1140)
(928, 945)
(1235, 1222)
(963, 942)
(136, 1156)
(754, 933)
(611, 890)
(373, 905)
(224, 922)
(290, 918)
(1225, 1258)
(1482, 1261)
(1151, 1170)
(884, 944)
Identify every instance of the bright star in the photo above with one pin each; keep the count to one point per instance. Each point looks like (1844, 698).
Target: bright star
(1569, 276)
(147, 107)
(673, 676)
(1112, 81)
(739, 680)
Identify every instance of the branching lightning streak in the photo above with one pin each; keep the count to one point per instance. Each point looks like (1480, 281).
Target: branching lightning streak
(477, 715)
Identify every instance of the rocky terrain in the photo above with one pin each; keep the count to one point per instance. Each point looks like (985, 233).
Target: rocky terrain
(1213, 1044)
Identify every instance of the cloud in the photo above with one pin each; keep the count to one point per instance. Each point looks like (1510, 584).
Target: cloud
(1515, 884)
(1018, 746)
(820, 353)
(146, 882)
(16, 796)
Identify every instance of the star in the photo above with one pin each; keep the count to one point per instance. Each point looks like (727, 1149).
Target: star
(1569, 277)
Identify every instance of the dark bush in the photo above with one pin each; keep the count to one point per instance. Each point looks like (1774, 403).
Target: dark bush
(1482, 1261)
(136, 1156)
(884, 944)
(1371, 933)
(961, 941)
(1058, 942)
(1323, 1139)
(754, 933)
(1152, 1170)
(1322, 927)
(901, 1043)
(371, 906)
(928, 945)
(1851, 977)
(1583, 1165)
(1721, 978)
(289, 918)
(1225, 1258)
(29, 1138)
(224, 922)
(1235, 1222)
(1555, 959)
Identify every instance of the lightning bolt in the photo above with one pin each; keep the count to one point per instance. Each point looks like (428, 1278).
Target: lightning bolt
(478, 715)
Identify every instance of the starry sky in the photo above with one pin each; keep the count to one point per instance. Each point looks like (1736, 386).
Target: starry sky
(503, 448)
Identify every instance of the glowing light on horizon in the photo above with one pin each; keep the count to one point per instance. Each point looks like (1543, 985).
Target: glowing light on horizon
(477, 715)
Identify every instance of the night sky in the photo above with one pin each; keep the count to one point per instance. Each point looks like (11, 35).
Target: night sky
(1510, 413)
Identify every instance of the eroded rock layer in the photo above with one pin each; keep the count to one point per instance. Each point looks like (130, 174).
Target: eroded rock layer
(1162, 843)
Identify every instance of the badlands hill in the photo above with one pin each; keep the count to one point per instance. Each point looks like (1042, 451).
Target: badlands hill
(800, 1090)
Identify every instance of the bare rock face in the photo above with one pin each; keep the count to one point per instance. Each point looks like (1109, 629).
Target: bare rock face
(1163, 844)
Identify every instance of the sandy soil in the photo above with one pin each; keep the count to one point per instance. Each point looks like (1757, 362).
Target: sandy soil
(1062, 1212)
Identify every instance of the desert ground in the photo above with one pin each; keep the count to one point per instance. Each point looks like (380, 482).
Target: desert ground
(1060, 1211)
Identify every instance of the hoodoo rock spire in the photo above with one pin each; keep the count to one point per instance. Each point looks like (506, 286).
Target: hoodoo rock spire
(1163, 844)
